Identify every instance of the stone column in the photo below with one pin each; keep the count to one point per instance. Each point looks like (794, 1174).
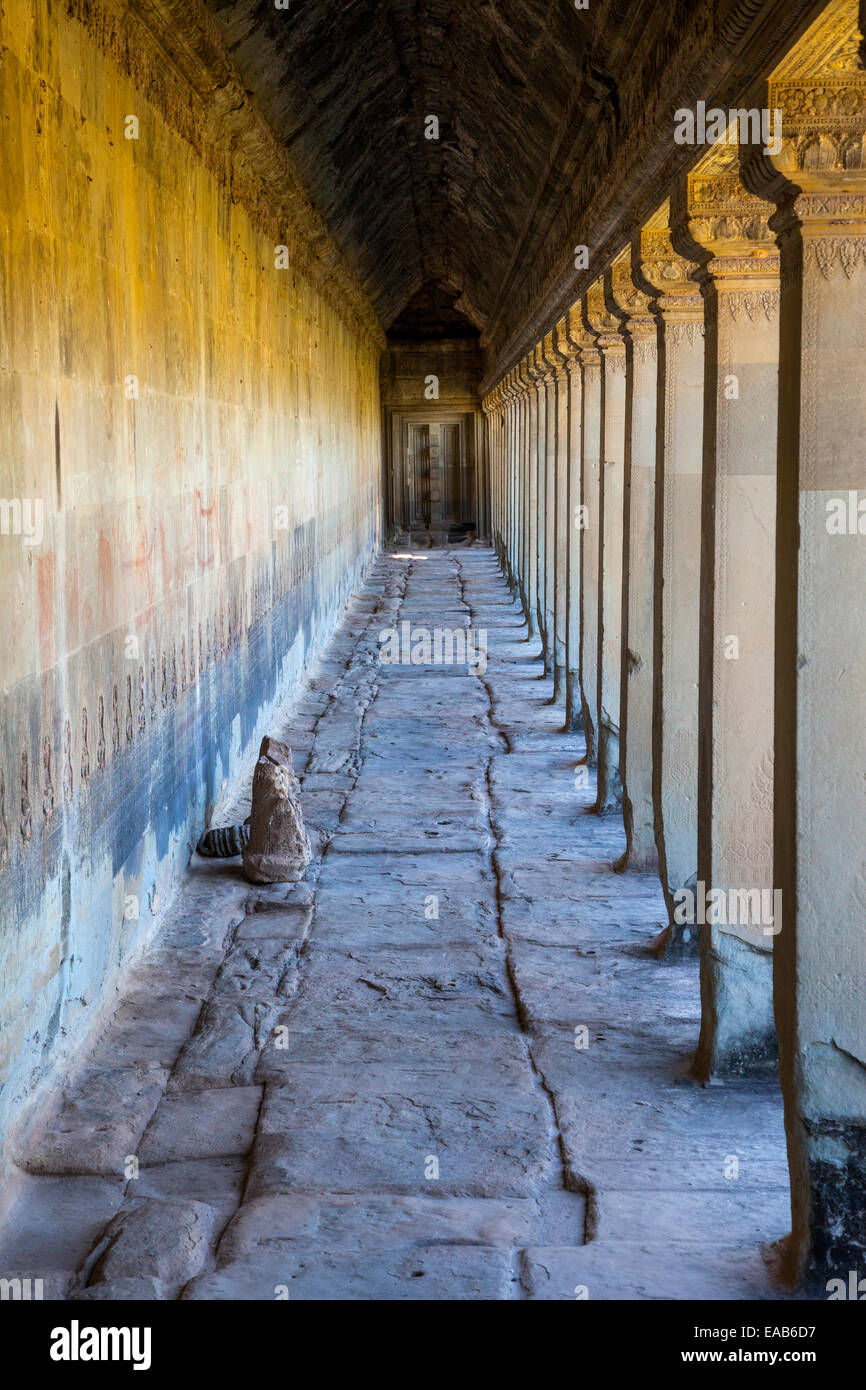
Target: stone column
(636, 669)
(818, 183)
(491, 470)
(524, 387)
(490, 426)
(573, 705)
(590, 500)
(679, 439)
(517, 448)
(511, 469)
(498, 431)
(560, 606)
(552, 362)
(540, 374)
(611, 345)
(740, 283)
(532, 502)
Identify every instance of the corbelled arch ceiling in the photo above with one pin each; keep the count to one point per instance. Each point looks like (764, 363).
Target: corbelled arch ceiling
(555, 129)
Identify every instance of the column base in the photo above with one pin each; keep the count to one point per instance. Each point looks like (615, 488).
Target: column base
(558, 684)
(676, 942)
(609, 798)
(573, 707)
(640, 854)
(738, 1031)
(549, 645)
(834, 1263)
(588, 732)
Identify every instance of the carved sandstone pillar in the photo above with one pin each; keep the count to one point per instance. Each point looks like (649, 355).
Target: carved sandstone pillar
(524, 496)
(511, 470)
(532, 500)
(679, 437)
(589, 518)
(636, 679)
(495, 468)
(573, 706)
(541, 424)
(611, 345)
(553, 363)
(740, 283)
(818, 182)
(560, 606)
(539, 372)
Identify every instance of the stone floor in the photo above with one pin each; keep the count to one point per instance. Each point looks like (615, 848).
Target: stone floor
(447, 1064)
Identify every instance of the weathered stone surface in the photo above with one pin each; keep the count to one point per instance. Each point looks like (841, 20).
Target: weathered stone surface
(225, 1047)
(164, 1240)
(440, 1272)
(373, 1223)
(278, 850)
(484, 1148)
(54, 1221)
(130, 1289)
(642, 1270)
(416, 1115)
(202, 1124)
(97, 1125)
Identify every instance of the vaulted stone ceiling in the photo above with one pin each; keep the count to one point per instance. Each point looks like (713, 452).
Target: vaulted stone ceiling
(552, 119)
(347, 85)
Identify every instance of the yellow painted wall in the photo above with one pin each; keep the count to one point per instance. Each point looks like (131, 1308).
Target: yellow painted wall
(198, 540)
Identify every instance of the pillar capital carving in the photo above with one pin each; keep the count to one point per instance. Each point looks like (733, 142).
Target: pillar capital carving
(602, 324)
(631, 305)
(567, 350)
(728, 228)
(533, 371)
(582, 343)
(525, 384)
(554, 354)
(664, 271)
(818, 177)
(540, 369)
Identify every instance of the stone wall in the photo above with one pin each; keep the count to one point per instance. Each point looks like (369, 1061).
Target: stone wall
(189, 462)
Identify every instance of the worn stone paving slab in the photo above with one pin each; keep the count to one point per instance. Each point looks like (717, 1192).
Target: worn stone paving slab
(433, 1272)
(484, 1147)
(483, 1037)
(358, 1224)
(447, 1064)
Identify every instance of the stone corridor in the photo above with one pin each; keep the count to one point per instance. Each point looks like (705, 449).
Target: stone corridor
(445, 1065)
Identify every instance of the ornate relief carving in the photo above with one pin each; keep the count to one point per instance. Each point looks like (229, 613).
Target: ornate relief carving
(820, 88)
(662, 266)
(129, 724)
(4, 829)
(26, 820)
(645, 349)
(68, 775)
(830, 253)
(100, 734)
(47, 783)
(115, 721)
(752, 303)
(678, 331)
(85, 751)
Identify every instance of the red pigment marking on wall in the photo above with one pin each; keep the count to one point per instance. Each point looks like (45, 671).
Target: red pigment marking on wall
(143, 557)
(45, 571)
(105, 564)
